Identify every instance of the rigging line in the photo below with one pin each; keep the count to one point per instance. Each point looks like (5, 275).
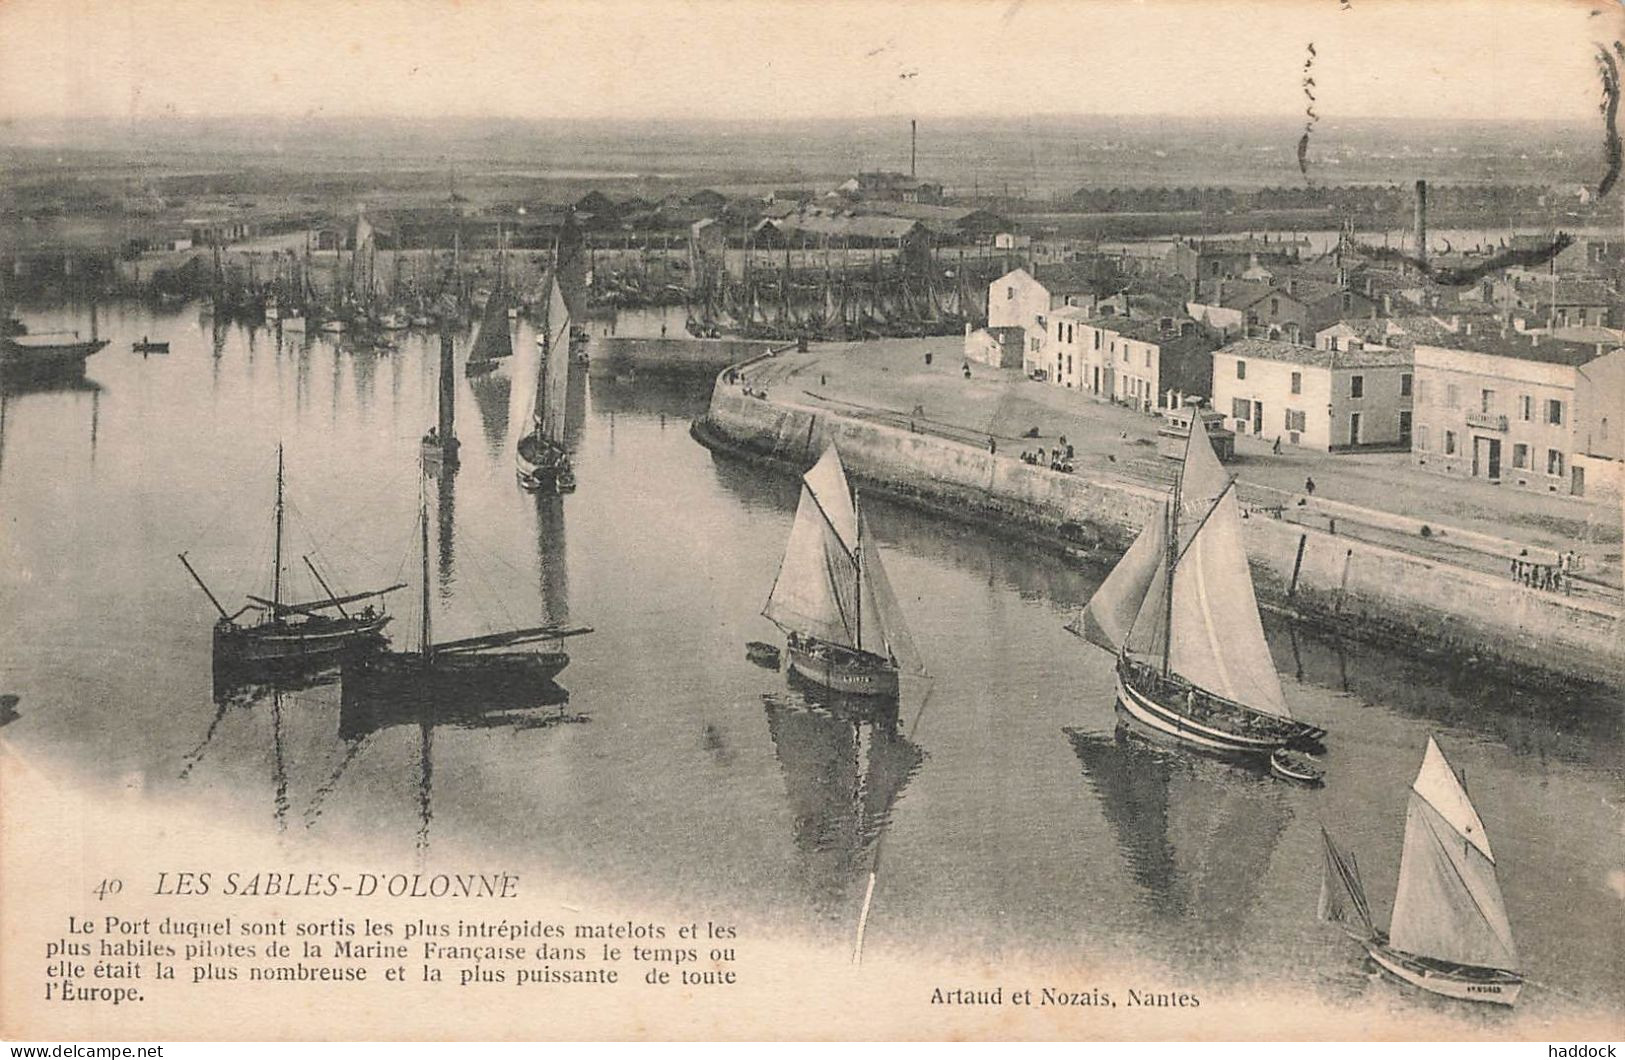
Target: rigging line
(1194, 533)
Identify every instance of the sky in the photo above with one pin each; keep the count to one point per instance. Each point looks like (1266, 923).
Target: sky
(765, 59)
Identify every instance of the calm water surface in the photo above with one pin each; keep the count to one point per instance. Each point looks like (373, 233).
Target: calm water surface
(1012, 817)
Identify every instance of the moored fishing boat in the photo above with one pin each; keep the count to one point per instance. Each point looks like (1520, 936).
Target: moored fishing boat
(1193, 667)
(55, 354)
(440, 445)
(469, 668)
(843, 627)
(541, 458)
(1449, 932)
(299, 632)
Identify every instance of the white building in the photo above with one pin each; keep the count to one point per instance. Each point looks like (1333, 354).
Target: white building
(1315, 397)
(1522, 410)
(1024, 299)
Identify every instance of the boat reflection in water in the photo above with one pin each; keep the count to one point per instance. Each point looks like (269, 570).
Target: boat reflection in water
(845, 766)
(1197, 834)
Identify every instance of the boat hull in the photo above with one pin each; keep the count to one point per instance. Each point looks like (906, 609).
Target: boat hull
(20, 360)
(1492, 986)
(1166, 721)
(841, 671)
(542, 469)
(455, 687)
(303, 642)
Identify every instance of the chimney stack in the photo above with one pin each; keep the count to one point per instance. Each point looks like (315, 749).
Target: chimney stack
(1422, 221)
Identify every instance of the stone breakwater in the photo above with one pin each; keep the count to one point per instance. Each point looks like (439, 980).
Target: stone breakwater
(1365, 591)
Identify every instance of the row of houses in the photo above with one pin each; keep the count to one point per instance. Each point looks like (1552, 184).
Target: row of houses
(1465, 395)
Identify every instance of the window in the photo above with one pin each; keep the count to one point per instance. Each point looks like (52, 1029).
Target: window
(1148, 357)
(1060, 329)
(1241, 369)
(1422, 437)
(1348, 301)
(1297, 382)
(1125, 353)
(1069, 364)
(1554, 463)
(1449, 443)
(1069, 333)
(1421, 391)
(1603, 428)
(1275, 307)
(1520, 456)
(1009, 294)
(1452, 396)
(1241, 409)
(1554, 414)
(1526, 407)
(1405, 384)
(1486, 400)
(1294, 419)
(1356, 386)
(1097, 338)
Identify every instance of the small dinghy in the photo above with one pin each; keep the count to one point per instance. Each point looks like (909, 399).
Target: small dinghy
(1296, 767)
(762, 654)
(145, 346)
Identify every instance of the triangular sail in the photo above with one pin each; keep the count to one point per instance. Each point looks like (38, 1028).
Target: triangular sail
(1216, 638)
(1448, 904)
(1109, 615)
(882, 631)
(1341, 891)
(816, 592)
(828, 486)
(553, 382)
(493, 340)
(1204, 619)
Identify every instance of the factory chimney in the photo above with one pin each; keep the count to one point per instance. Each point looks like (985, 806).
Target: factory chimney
(1422, 221)
(913, 141)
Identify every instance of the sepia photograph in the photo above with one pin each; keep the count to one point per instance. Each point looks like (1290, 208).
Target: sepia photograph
(925, 520)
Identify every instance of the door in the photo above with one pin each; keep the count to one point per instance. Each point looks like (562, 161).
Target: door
(1405, 429)
(1354, 428)
(1487, 458)
(1578, 481)
(1258, 417)
(1495, 457)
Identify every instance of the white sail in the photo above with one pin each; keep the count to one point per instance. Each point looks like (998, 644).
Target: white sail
(1448, 905)
(1213, 636)
(827, 483)
(1216, 638)
(882, 630)
(1108, 616)
(553, 384)
(816, 592)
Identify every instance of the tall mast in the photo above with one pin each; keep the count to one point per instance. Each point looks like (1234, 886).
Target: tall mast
(1172, 553)
(428, 640)
(857, 564)
(276, 570)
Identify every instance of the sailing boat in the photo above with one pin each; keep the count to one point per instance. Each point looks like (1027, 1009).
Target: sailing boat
(300, 632)
(832, 599)
(542, 460)
(1449, 933)
(440, 444)
(492, 341)
(468, 668)
(1179, 612)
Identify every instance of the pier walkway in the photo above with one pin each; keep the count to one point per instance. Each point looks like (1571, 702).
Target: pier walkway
(1377, 497)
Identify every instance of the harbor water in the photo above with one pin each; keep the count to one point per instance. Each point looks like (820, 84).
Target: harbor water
(1014, 818)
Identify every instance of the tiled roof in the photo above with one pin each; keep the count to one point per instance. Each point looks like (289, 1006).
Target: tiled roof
(1523, 347)
(1291, 353)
